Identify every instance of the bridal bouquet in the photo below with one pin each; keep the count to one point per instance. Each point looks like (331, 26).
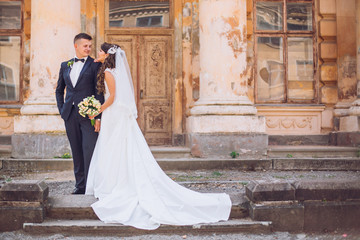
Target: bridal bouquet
(89, 106)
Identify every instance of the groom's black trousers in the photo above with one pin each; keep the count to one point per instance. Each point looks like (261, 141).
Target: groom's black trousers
(82, 138)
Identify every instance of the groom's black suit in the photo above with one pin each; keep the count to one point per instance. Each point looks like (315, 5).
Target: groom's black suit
(81, 134)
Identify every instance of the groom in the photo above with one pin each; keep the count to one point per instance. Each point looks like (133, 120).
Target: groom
(78, 76)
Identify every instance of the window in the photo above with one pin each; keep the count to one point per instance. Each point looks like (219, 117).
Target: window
(284, 50)
(10, 50)
(130, 13)
(155, 21)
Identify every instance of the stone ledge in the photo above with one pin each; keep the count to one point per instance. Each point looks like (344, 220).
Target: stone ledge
(339, 190)
(330, 164)
(13, 218)
(261, 190)
(327, 190)
(248, 164)
(25, 191)
(331, 216)
(22, 202)
(80, 227)
(285, 216)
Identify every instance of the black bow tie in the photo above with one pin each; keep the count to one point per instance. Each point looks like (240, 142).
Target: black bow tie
(77, 59)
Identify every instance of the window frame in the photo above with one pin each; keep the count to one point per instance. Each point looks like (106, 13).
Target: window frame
(138, 29)
(285, 34)
(16, 33)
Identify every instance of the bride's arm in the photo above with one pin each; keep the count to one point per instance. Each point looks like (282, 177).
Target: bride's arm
(110, 81)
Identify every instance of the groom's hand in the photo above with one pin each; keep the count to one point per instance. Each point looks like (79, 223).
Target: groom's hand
(97, 125)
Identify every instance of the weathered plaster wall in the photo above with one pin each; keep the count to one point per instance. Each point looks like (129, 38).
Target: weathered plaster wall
(88, 21)
(7, 113)
(179, 107)
(346, 45)
(250, 50)
(187, 63)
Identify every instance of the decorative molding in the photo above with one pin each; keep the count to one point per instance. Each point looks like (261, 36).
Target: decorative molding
(6, 125)
(292, 120)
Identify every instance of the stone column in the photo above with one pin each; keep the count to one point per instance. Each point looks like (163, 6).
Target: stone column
(349, 134)
(346, 60)
(355, 108)
(39, 130)
(224, 119)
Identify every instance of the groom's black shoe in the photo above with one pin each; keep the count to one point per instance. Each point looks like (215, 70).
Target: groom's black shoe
(78, 191)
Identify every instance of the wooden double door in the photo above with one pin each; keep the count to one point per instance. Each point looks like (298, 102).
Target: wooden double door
(150, 62)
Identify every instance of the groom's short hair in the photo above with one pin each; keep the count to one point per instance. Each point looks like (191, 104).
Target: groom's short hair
(82, 36)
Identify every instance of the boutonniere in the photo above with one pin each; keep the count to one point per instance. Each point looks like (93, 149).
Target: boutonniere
(70, 63)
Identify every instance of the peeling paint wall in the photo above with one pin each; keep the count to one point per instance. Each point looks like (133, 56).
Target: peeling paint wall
(335, 51)
(186, 61)
(88, 20)
(346, 39)
(179, 110)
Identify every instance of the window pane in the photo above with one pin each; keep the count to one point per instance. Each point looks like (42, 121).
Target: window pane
(9, 68)
(270, 69)
(300, 68)
(139, 13)
(269, 16)
(299, 16)
(10, 15)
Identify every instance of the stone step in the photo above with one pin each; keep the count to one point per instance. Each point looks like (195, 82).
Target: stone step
(329, 190)
(56, 164)
(314, 151)
(296, 140)
(306, 205)
(170, 152)
(183, 164)
(316, 164)
(96, 227)
(5, 150)
(312, 215)
(5, 139)
(76, 207)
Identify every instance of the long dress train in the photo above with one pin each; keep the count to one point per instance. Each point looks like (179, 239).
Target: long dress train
(131, 187)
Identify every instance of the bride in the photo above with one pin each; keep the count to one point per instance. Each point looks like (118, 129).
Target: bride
(131, 187)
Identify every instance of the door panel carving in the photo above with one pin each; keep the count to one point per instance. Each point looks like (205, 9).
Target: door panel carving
(149, 59)
(154, 82)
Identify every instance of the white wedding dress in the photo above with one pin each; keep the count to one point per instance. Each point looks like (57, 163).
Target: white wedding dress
(131, 187)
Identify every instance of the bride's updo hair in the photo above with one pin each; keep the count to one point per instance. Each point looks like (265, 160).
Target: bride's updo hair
(109, 62)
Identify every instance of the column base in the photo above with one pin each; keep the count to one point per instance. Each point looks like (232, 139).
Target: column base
(219, 135)
(220, 145)
(350, 124)
(39, 145)
(348, 139)
(39, 124)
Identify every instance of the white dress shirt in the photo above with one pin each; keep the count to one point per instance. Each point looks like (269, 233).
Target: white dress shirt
(75, 71)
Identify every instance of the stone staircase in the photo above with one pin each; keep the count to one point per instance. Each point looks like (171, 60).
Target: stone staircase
(98, 228)
(72, 214)
(306, 206)
(262, 207)
(312, 152)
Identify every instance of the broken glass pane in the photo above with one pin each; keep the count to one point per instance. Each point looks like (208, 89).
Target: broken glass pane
(270, 69)
(10, 15)
(299, 16)
(269, 16)
(300, 68)
(9, 68)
